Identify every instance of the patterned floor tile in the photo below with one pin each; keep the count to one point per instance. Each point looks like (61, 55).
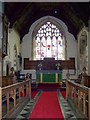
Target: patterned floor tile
(25, 113)
(20, 117)
(66, 109)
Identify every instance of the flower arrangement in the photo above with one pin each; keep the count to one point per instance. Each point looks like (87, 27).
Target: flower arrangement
(58, 65)
(40, 65)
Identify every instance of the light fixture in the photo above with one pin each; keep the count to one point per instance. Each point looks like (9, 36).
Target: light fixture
(55, 11)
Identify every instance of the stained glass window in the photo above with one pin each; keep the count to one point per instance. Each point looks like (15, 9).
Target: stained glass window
(49, 42)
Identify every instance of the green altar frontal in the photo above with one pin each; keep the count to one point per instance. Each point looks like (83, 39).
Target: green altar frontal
(49, 76)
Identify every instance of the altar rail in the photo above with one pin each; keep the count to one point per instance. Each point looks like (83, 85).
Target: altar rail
(14, 96)
(79, 98)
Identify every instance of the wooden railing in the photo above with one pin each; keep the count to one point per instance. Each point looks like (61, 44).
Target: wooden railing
(14, 97)
(79, 98)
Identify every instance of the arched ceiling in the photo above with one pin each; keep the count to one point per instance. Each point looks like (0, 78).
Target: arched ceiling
(22, 14)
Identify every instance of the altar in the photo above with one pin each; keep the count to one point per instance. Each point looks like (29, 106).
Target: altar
(49, 76)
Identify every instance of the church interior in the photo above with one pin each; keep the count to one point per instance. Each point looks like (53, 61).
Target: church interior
(44, 60)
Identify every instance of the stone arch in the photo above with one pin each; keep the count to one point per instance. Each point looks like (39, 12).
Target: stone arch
(83, 48)
(53, 21)
(27, 42)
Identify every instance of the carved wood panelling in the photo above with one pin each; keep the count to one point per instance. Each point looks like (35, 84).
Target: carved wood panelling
(49, 64)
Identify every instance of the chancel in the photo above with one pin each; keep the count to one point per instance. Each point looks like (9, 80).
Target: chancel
(44, 60)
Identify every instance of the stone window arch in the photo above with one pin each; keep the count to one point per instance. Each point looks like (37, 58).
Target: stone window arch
(49, 41)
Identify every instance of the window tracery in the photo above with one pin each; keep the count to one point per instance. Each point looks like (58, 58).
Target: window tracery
(49, 42)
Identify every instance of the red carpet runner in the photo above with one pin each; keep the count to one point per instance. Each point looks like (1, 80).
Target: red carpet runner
(47, 106)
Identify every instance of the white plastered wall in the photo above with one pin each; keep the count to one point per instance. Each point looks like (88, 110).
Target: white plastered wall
(13, 39)
(71, 44)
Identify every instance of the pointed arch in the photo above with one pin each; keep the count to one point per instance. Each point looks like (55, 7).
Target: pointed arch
(83, 49)
(49, 40)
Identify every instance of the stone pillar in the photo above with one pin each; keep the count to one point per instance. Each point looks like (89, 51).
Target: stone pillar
(78, 55)
(88, 43)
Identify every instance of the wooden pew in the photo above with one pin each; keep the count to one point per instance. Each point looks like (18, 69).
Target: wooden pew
(6, 80)
(87, 81)
(17, 103)
(78, 97)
